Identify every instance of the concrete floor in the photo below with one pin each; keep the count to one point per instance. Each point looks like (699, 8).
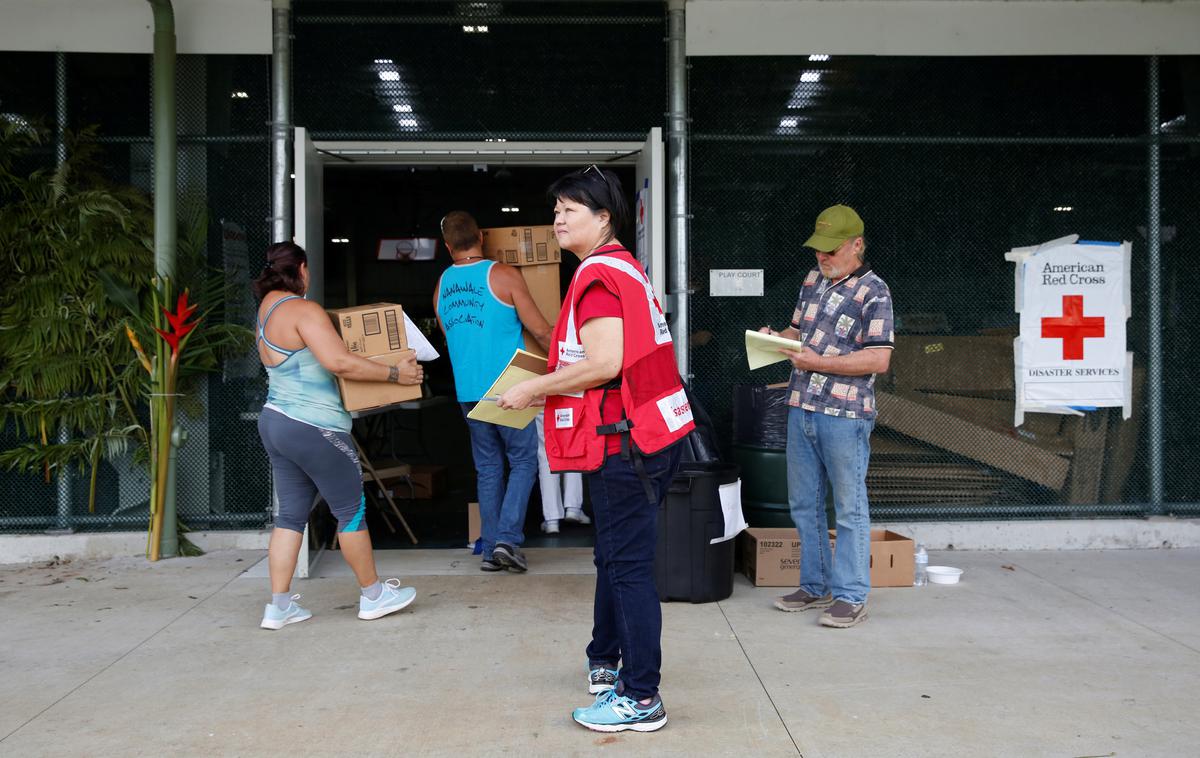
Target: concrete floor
(1034, 654)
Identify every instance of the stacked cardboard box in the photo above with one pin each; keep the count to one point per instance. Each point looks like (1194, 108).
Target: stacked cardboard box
(535, 251)
(955, 394)
(375, 332)
(771, 557)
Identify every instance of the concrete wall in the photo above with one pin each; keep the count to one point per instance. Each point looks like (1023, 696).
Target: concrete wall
(943, 27)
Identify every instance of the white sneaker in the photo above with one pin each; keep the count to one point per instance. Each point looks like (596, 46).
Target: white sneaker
(577, 516)
(393, 598)
(550, 527)
(273, 618)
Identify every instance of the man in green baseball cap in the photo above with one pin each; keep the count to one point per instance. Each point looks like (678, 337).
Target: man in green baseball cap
(843, 320)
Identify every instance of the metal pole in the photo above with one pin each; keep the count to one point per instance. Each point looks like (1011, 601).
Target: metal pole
(63, 479)
(165, 171)
(281, 118)
(677, 206)
(164, 138)
(1154, 285)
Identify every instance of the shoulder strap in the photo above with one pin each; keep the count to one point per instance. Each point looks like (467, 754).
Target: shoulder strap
(262, 326)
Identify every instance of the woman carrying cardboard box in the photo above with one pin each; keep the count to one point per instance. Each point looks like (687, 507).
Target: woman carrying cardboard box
(306, 432)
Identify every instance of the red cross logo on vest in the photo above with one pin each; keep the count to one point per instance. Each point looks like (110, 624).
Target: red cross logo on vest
(1072, 327)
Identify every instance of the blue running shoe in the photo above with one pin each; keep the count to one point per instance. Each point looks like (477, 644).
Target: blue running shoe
(601, 679)
(393, 598)
(273, 618)
(617, 713)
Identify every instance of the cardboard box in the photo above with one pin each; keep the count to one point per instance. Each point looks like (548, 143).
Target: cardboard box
(543, 283)
(427, 481)
(522, 245)
(907, 415)
(372, 329)
(359, 396)
(954, 364)
(771, 557)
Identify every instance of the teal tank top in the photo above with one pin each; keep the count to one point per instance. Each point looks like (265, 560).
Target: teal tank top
(301, 388)
(481, 331)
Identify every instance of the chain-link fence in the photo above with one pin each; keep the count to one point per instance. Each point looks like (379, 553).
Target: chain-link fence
(951, 162)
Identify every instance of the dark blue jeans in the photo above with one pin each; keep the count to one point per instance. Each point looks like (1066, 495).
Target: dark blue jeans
(627, 624)
(502, 504)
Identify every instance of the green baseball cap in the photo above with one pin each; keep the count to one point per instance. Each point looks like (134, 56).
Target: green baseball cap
(834, 226)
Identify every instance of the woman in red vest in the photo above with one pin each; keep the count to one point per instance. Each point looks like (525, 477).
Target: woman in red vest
(615, 408)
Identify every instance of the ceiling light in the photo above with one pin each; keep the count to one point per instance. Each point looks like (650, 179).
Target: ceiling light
(402, 108)
(810, 76)
(1063, 208)
(410, 122)
(389, 76)
(384, 60)
(240, 95)
(469, 29)
(818, 58)
(790, 122)
(483, 30)
(510, 209)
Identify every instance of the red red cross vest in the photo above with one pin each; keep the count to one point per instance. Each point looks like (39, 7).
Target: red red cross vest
(652, 395)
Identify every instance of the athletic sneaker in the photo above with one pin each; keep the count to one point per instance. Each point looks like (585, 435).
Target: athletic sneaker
(601, 679)
(577, 516)
(842, 615)
(393, 598)
(487, 564)
(616, 713)
(273, 618)
(550, 526)
(802, 601)
(510, 557)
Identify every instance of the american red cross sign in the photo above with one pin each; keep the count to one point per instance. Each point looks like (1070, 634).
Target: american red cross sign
(1072, 327)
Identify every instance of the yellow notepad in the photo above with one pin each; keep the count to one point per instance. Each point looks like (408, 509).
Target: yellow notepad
(521, 366)
(763, 349)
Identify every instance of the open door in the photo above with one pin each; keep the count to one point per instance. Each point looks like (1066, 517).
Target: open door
(309, 225)
(649, 213)
(310, 211)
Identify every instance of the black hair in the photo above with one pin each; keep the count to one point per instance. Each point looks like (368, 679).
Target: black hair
(282, 271)
(597, 188)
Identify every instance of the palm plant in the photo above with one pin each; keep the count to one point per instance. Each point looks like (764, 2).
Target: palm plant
(78, 299)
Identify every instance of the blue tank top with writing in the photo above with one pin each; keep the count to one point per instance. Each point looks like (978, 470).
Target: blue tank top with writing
(481, 331)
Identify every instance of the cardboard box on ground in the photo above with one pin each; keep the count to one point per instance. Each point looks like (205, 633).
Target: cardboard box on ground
(376, 332)
(955, 393)
(535, 252)
(771, 557)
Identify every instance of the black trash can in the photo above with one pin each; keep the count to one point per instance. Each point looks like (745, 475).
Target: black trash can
(686, 566)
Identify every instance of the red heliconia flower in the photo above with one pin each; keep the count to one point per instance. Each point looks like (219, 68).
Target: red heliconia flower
(182, 313)
(171, 338)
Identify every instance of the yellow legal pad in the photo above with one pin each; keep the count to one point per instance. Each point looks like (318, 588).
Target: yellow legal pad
(763, 349)
(520, 367)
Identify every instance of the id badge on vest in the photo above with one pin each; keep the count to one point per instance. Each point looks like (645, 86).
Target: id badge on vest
(569, 354)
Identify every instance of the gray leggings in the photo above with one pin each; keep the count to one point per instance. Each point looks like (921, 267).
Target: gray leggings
(306, 460)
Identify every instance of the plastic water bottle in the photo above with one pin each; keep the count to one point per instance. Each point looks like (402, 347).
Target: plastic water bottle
(921, 559)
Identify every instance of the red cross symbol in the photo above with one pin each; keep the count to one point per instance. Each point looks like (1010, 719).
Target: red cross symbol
(1072, 327)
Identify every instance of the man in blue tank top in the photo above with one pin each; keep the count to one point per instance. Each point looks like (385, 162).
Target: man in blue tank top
(481, 306)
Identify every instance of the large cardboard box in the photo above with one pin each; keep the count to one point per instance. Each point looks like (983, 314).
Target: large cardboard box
(521, 245)
(359, 396)
(372, 329)
(425, 481)
(771, 558)
(543, 283)
(981, 366)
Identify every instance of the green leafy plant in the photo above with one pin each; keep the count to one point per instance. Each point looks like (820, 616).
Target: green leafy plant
(78, 303)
